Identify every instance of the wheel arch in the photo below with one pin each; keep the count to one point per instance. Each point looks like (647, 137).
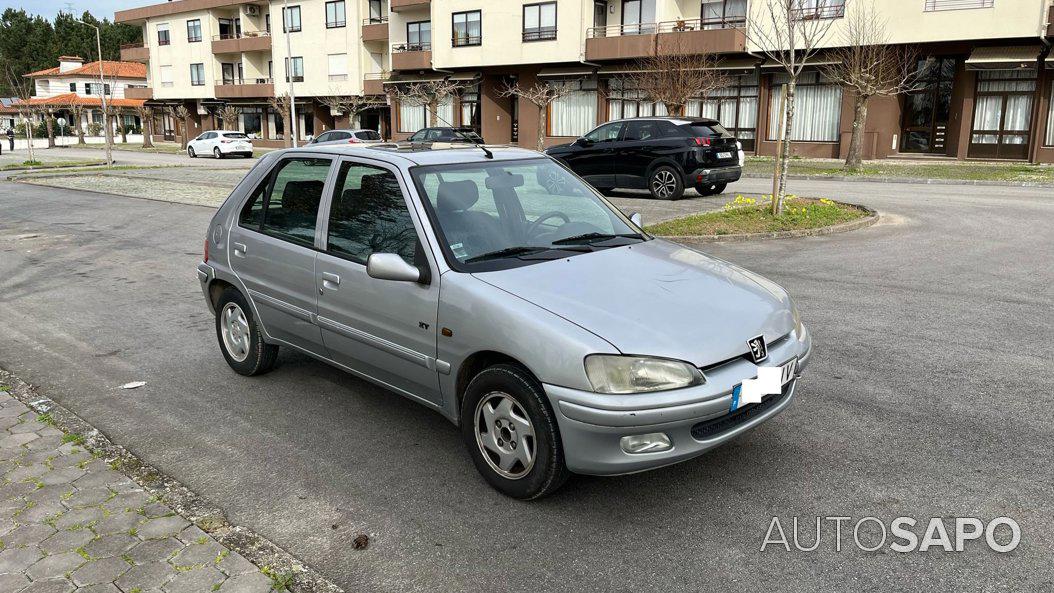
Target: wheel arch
(663, 161)
(476, 363)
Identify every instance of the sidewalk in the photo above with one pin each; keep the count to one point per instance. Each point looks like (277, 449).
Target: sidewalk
(68, 522)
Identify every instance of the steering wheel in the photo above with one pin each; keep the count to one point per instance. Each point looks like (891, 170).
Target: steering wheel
(533, 229)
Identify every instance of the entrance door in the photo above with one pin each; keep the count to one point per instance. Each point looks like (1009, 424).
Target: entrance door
(925, 124)
(1002, 114)
(600, 16)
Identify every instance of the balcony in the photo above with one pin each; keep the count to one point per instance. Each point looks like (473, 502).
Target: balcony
(616, 42)
(244, 89)
(687, 36)
(373, 83)
(138, 92)
(399, 5)
(375, 29)
(230, 44)
(135, 52)
(412, 56)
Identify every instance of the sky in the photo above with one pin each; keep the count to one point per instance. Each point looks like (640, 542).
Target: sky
(99, 8)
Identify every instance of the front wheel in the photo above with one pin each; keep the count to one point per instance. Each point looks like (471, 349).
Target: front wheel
(216, 153)
(511, 433)
(241, 340)
(665, 183)
(191, 153)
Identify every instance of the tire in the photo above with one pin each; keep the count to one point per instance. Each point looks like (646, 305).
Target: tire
(216, 152)
(253, 357)
(710, 189)
(666, 183)
(511, 397)
(191, 153)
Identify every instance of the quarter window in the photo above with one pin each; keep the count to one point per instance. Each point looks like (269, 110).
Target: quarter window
(369, 215)
(605, 133)
(335, 14)
(285, 206)
(467, 28)
(539, 21)
(194, 31)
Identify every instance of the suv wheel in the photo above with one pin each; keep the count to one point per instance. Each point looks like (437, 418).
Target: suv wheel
(511, 433)
(240, 337)
(665, 183)
(710, 189)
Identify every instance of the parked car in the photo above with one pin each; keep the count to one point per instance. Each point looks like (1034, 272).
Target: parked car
(220, 143)
(661, 154)
(562, 337)
(447, 134)
(347, 137)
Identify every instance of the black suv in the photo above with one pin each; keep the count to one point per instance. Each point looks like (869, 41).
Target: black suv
(446, 134)
(660, 154)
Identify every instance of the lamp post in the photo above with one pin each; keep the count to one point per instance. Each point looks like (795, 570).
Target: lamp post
(102, 95)
(287, 21)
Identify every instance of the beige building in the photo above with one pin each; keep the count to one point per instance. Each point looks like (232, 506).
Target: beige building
(987, 70)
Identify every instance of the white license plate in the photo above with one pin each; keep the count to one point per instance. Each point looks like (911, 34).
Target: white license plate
(787, 371)
(724, 155)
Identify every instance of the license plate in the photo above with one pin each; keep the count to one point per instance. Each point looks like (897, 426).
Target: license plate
(787, 371)
(724, 155)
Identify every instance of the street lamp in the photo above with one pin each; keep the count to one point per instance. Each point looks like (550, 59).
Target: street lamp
(102, 93)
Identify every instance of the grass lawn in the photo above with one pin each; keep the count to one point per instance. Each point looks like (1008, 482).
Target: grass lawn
(944, 170)
(48, 165)
(750, 215)
(159, 147)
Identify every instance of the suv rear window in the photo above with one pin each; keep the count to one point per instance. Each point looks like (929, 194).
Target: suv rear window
(368, 135)
(709, 131)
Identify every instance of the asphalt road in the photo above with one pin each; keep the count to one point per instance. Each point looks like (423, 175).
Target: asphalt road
(930, 396)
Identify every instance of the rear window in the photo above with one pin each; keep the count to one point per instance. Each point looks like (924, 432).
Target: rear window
(709, 131)
(368, 135)
(234, 135)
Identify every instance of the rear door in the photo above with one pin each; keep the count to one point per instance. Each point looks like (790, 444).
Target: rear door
(273, 247)
(643, 142)
(717, 146)
(380, 328)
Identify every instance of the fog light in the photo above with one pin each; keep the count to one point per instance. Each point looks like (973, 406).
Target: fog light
(646, 443)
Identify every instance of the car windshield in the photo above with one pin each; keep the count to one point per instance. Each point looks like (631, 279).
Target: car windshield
(236, 135)
(501, 214)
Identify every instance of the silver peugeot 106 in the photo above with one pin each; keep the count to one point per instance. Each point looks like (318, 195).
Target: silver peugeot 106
(496, 287)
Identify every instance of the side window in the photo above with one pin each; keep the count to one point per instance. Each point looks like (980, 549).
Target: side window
(286, 204)
(323, 137)
(369, 215)
(642, 130)
(605, 133)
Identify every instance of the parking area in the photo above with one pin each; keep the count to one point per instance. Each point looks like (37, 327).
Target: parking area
(927, 398)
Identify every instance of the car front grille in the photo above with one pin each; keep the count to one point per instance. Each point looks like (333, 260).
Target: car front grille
(715, 427)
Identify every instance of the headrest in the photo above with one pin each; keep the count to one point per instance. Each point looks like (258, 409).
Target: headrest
(302, 196)
(373, 185)
(456, 195)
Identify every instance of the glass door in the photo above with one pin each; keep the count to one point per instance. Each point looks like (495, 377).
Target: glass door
(638, 17)
(1002, 114)
(926, 109)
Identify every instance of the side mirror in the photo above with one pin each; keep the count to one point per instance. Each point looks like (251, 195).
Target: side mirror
(636, 219)
(584, 142)
(391, 266)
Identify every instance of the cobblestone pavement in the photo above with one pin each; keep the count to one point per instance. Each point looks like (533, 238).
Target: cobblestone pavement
(68, 522)
(16, 158)
(151, 189)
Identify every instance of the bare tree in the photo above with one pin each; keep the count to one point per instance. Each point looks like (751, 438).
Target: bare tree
(24, 91)
(281, 104)
(230, 115)
(541, 94)
(183, 115)
(867, 66)
(675, 75)
(146, 116)
(431, 93)
(790, 32)
(351, 105)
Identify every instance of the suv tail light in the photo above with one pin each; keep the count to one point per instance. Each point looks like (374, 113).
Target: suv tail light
(205, 258)
(701, 141)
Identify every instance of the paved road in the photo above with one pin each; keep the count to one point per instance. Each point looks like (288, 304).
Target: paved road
(930, 395)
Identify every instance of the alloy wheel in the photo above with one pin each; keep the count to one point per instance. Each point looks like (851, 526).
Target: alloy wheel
(663, 183)
(235, 328)
(505, 435)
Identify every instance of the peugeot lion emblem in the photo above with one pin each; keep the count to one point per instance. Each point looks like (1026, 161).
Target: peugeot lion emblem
(758, 350)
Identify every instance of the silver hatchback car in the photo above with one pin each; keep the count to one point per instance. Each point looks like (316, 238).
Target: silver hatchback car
(496, 287)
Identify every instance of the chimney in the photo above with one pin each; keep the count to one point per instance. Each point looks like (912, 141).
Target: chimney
(67, 63)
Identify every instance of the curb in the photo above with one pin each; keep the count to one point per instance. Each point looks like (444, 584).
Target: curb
(191, 506)
(871, 218)
(920, 181)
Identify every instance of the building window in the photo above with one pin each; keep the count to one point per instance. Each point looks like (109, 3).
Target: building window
(297, 71)
(1049, 141)
(419, 36)
(817, 108)
(73, 87)
(194, 31)
(638, 17)
(466, 28)
(573, 114)
(162, 34)
(252, 121)
(624, 100)
(722, 14)
(106, 89)
(470, 116)
(267, 23)
(335, 14)
(935, 5)
(412, 116)
(197, 74)
(1002, 110)
(735, 106)
(539, 21)
(818, 9)
(377, 12)
(165, 74)
(291, 19)
(338, 67)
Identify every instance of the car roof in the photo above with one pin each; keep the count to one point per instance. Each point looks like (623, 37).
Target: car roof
(424, 154)
(224, 131)
(674, 120)
(346, 130)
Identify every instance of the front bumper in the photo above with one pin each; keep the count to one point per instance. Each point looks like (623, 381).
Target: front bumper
(695, 419)
(714, 175)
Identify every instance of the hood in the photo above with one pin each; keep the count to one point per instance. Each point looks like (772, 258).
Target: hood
(656, 298)
(558, 148)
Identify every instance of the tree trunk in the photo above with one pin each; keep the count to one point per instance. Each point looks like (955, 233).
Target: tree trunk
(148, 130)
(186, 133)
(433, 113)
(856, 142)
(543, 124)
(50, 123)
(784, 156)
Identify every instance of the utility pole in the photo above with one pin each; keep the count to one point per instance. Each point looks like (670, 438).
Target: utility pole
(107, 132)
(287, 22)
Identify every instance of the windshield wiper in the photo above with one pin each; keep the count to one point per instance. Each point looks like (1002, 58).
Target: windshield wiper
(590, 237)
(519, 251)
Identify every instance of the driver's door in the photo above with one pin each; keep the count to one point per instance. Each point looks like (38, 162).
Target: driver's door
(593, 160)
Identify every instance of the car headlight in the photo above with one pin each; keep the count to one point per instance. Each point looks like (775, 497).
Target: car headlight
(610, 373)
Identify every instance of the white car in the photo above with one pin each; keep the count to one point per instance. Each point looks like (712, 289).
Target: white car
(220, 143)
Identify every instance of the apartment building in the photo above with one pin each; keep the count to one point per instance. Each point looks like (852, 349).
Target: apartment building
(986, 67)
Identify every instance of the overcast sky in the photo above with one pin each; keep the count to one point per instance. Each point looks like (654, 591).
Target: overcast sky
(48, 8)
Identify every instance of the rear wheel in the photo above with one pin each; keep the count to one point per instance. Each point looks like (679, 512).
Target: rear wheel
(665, 183)
(511, 433)
(241, 340)
(216, 153)
(710, 189)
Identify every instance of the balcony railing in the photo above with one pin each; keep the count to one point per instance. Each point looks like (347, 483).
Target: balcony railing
(619, 30)
(405, 47)
(831, 9)
(935, 5)
(465, 40)
(243, 35)
(542, 34)
(702, 24)
(240, 81)
(375, 20)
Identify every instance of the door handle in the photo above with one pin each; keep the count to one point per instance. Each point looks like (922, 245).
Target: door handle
(330, 281)
(239, 249)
